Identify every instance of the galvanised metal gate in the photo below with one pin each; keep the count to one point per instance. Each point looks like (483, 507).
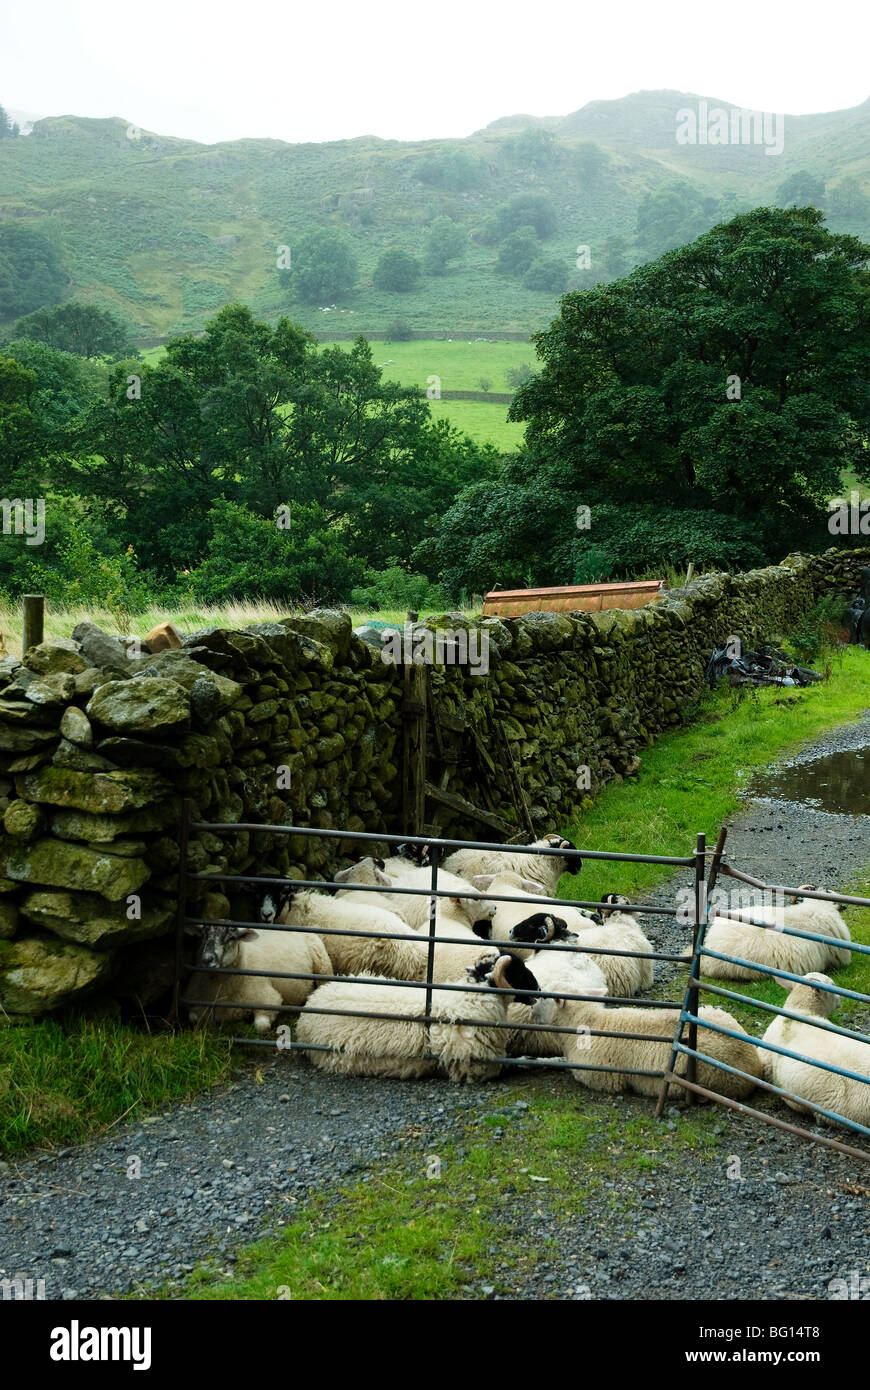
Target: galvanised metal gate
(687, 1020)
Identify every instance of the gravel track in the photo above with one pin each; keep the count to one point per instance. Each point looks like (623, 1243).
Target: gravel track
(221, 1169)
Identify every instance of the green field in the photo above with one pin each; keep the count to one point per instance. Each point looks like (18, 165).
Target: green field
(460, 366)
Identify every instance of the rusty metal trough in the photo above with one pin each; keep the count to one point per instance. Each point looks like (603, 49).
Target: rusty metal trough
(590, 598)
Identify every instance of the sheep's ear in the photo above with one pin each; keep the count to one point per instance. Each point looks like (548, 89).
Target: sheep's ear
(249, 934)
(528, 885)
(599, 991)
(342, 876)
(787, 985)
(383, 879)
(482, 880)
(483, 929)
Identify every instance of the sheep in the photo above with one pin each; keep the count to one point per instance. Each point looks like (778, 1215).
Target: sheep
(842, 1094)
(768, 946)
(386, 1047)
(350, 955)
(554, 971)
(628, 1054)
(249, 949)
(508, 883)
(413, 908)
(625, 976)
(543, 869)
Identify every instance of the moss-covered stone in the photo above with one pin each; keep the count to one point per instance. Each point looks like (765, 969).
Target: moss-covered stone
(38, 974)
(143, 705)
(100, 792)
(88, 919)
(23, 820)
(64, 864)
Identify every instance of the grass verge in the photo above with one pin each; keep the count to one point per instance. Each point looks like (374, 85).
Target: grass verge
(61, 1082)
(397, 1234)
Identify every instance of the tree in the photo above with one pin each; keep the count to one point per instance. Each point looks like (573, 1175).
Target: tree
(258, 417)
(324, 267)
(631, 401)
(447, 241)
(397, 271)
(517, 252)
(485, 383)
(547, 274)
(676, 213)
(615, 256)
(533, 147)
(455, 170)
(527, 210)
(8, 129)
(847, 202)
(31, 272)
(516, 377)
(801, 189)
(83, 329)
(590, 160)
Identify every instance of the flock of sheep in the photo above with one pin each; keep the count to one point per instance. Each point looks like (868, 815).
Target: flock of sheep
(506, 977)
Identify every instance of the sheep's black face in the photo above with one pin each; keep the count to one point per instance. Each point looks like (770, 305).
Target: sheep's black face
(518, 976)
(541, 926)
(274, 903)
(417, 854)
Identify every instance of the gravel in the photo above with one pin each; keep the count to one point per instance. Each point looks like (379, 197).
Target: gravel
(149, 1201)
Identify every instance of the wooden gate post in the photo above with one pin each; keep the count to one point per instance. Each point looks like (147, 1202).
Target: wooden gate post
(414, 739)
(34, 621)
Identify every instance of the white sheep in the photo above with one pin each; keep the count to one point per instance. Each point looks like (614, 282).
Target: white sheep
(626, 976)
(249, 949)
(383, 1046)
(554, 971)
(629, 1054)
(545, 869)
(509, 916)
(384, 954)
(413, 908)
(768, 946)
(841, 1094)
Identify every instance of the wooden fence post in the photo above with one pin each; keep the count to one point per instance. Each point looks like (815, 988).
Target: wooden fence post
(34, 622)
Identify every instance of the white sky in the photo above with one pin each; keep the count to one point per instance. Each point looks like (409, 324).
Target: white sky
(211, 70)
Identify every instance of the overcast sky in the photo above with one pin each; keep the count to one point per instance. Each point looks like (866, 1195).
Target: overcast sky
(405, 69)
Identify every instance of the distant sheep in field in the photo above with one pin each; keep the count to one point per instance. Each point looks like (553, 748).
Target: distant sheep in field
(387, 1047)
(582, 1046)
(248, 949)
(842, 1094)
(544, 869)
(768, 946)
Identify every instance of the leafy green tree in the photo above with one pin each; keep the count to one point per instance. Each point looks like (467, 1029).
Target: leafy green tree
(397, 271)
(527, 210)
(447, 241)
(546, 273)
(517, 252)
(455, 170)
(616, 256)
(31, 271)
(591, 161)
(324, 267)
(84, 329)
(801, 189)
(847, 202)
(634, 395)
(8, 128)
(257, 416)
(675, 213)
(533, 147)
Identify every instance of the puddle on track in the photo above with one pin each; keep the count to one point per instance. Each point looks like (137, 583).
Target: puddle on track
(838, 782)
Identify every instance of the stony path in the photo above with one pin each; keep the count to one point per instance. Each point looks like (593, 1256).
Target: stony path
(214, 1171)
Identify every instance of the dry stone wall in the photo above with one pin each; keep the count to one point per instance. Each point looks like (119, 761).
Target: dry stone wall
(300, 722)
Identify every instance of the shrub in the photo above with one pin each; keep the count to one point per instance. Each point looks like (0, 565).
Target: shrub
(397, 588)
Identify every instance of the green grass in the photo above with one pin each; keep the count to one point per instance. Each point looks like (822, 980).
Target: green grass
(60, 1083)
(403, 1235)
(460, 366)
(691, 780)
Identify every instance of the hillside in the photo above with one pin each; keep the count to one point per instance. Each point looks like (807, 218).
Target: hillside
(167, 230)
